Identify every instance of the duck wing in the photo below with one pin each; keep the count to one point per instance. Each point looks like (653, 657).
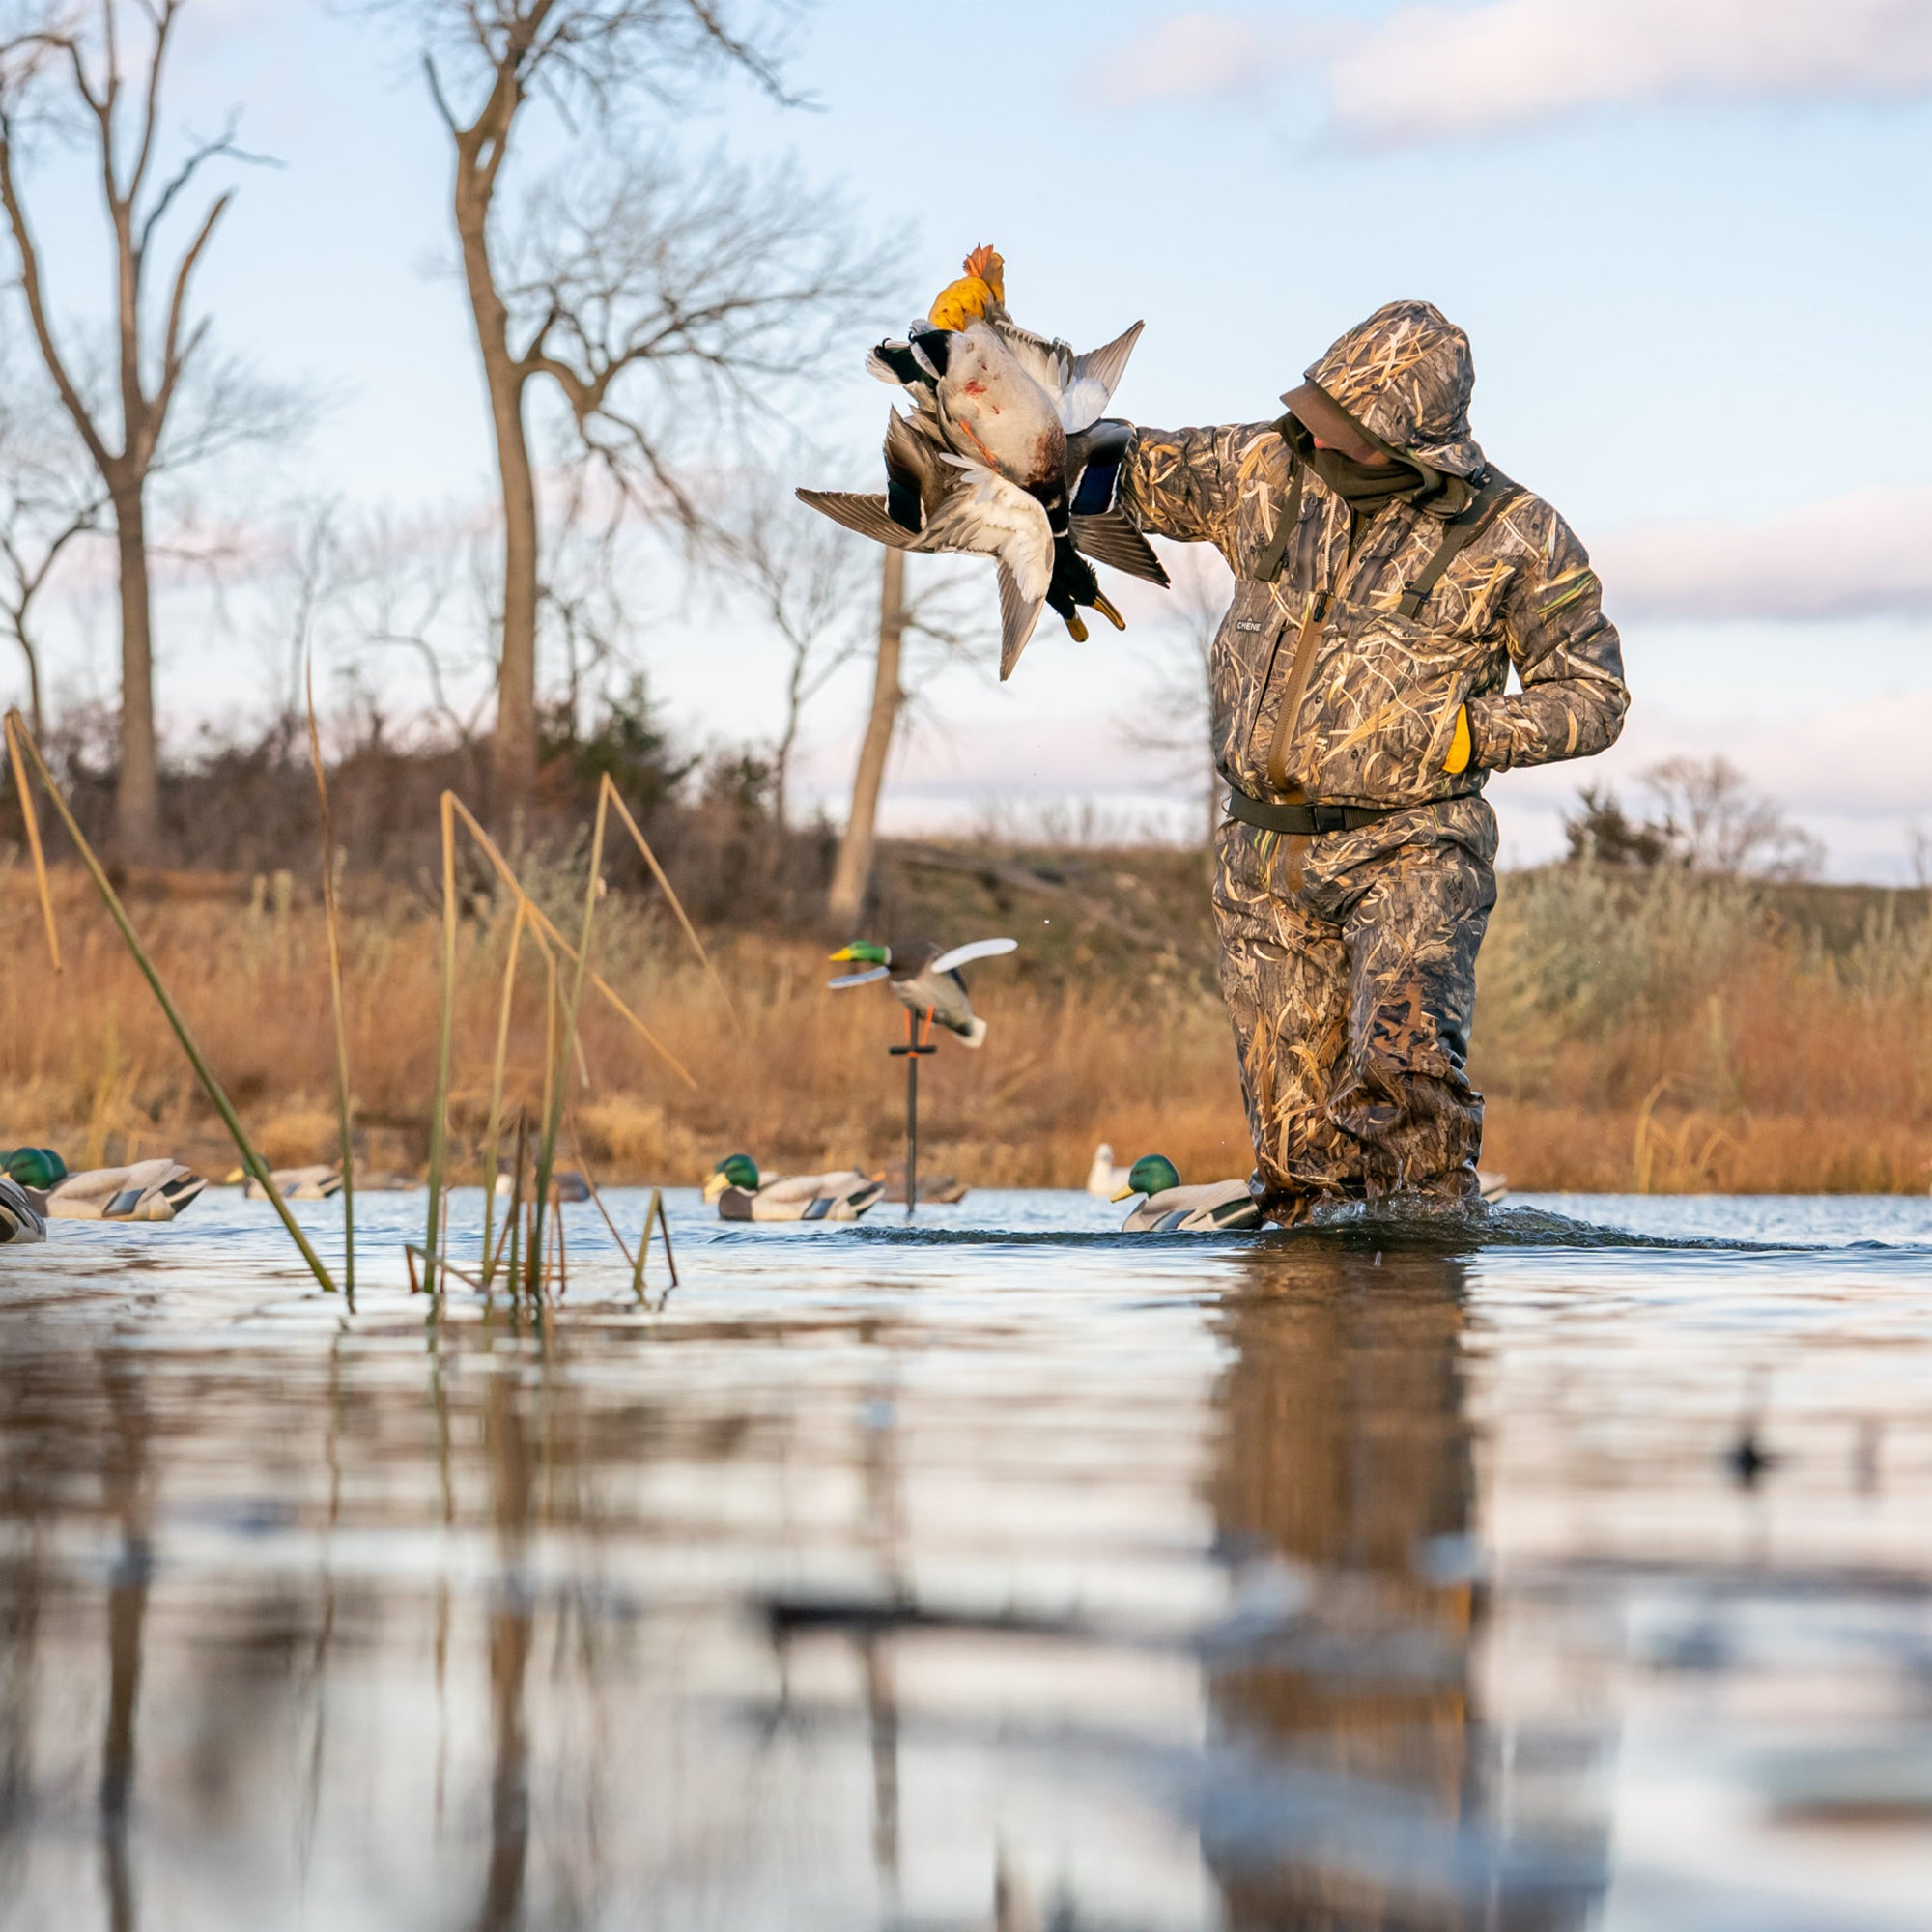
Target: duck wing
(863, 979)
(1111, 538)
(1018, 614)
(1099, 371)
(977, 948)
(868, 515)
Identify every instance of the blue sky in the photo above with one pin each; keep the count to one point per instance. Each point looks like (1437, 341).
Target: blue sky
(1687, 240)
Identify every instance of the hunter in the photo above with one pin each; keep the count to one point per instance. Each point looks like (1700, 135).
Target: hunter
(1387, 577)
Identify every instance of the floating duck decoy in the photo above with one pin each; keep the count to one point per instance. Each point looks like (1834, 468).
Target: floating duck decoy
(1005, 455)
(1172, 1208)
(39, 1168)
(742, 1193)
(147, 1190)
(939, 1189)
(320, 1183)
(565, 1184)
(20, 1221)
(1103, 1178)
(925, 979)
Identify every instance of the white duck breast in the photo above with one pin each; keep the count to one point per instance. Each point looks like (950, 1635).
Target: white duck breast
(1210, 1207)
(996, 410)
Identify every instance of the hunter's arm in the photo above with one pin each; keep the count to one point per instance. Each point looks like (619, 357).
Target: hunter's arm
(1566, 653)
(1187, 483)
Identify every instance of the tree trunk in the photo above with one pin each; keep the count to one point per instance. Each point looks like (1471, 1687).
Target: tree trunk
(854, 871)
(513, 751)
(137, 796)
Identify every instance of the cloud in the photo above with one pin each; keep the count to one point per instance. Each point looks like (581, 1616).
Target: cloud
(1865, 555)
(1431, 72)
(1207, 55)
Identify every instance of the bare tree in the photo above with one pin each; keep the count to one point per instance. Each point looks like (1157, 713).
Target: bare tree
(49, 494)
(651, 293)
(809, 581)
(1173, 716)
(37, 69)
(941, 619)
(1717, 823)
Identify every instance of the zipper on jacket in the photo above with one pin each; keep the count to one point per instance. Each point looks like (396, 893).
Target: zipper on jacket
(1299, 666)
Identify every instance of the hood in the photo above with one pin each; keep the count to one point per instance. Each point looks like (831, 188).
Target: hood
(1405, 375)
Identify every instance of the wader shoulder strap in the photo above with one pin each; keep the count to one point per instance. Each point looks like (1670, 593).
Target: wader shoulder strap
(1489, 504)
(1267, 565)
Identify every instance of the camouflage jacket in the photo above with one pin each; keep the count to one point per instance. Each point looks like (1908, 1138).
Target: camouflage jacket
(1380, 691)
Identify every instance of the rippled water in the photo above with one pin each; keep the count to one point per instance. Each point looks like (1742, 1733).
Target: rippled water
(1004, 1572)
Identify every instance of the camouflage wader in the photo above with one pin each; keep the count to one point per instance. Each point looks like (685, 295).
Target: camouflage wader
(1350, 971)
(1338, 676)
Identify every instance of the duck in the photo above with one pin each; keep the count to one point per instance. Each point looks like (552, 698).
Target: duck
(742, 1193)
(147, 1190)
(1005, 435)
(926, 981)
(20, 1221)
(320, 1183)
(1169, 1208)
(34, 1167)
(565, 1184)
(1103, 1178)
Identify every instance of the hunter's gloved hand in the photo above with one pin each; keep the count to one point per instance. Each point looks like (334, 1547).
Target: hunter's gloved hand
(1461, 747)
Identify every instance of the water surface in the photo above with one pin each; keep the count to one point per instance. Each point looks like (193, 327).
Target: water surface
(1575, 1572)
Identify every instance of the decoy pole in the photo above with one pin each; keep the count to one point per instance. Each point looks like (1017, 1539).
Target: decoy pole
(916, 1044)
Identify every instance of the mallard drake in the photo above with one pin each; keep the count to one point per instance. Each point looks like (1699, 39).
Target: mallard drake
(147, 1190)
(741, 1194)
(1103, 1178)
(1005, 437)
(20, 1221)
(925, 979)
(1172, 1208)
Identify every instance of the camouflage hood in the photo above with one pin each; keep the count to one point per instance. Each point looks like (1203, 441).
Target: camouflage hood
(1406, 376)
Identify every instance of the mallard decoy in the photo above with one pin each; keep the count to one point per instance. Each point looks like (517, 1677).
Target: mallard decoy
(20, 1221)
(925, 979)
(147, 1190)
(1172, 1208)
(741, 1194)
(31, 1167)
(1103, 1178)
(565, 1184)
(320, 1183)
(940, 1190)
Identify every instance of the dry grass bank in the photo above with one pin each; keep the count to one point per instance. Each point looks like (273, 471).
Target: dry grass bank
(1656, 1032)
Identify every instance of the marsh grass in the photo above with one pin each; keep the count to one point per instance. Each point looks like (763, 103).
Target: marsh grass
(1654, 1031)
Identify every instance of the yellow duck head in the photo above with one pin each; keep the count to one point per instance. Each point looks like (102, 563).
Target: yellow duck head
(982, 287)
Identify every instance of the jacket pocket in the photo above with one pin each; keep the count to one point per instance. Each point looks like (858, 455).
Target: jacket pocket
(1380, 713)
(1243, 657)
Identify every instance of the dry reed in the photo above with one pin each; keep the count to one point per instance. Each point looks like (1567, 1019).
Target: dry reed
(1767, 1063)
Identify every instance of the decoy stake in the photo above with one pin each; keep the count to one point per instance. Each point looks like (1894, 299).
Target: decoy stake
(914, 1047)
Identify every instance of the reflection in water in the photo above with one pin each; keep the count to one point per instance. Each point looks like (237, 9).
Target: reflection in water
(1344, 1470)
(1158, 1585)
(124, 1468)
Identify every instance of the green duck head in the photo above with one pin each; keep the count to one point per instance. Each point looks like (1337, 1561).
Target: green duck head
(863, 952)
(1152, 1174)
(34, 1167)
(735, 1170)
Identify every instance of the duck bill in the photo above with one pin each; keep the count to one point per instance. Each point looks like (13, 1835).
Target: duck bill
(844, 953)
(713, 1186)
(1107, 611)
(1126, 1194)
